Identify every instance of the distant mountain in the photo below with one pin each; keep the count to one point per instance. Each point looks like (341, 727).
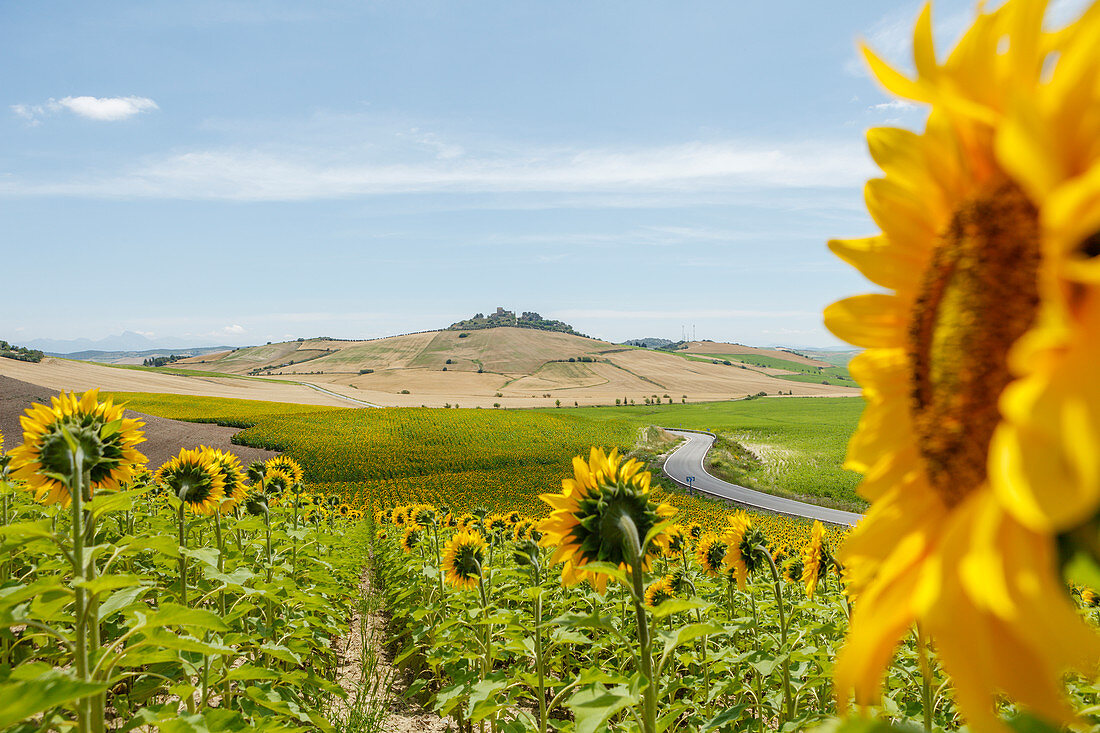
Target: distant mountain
(125, 341)
(110, 357)
(650, 343)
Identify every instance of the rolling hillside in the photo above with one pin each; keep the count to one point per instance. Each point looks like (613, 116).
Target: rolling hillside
(512, 367)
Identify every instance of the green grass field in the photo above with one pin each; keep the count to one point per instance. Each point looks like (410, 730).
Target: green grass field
(800, 441)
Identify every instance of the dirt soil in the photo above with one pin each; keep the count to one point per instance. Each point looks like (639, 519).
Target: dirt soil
(367, 635)
(163, 437)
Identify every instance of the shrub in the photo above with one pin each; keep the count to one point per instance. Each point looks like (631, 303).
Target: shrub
(404, 391)
(366, 371)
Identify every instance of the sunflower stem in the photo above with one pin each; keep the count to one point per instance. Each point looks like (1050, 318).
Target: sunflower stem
(183, 555)
(80, 660)
(926, 678)
(788, 702)
(756, 647)
(634, 554)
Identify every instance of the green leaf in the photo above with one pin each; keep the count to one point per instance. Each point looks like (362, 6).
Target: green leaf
(172, 614)
(691, 632)
(20, 700)
(1025, 723)
(280, 652)
(590, 621)
(110, 582)
(121, 600)
(252, 672)
(725, 717)
(593, 705)
(606, 568)
(104, 503)
(656, 530)
(162, 544)
(1083, 569)
(678, 605)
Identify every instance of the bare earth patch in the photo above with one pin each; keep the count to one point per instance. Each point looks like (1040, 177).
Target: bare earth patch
(163, 437)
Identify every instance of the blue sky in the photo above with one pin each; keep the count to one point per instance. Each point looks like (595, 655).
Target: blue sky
(236, 172)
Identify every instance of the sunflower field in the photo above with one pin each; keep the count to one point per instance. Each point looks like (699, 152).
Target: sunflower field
(201, 597)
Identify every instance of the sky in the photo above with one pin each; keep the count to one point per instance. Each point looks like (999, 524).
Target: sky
(233, 172)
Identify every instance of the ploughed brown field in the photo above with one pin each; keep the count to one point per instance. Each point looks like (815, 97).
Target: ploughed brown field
(163, 438)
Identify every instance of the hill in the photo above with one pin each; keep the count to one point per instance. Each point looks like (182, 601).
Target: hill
(786, 364)
(502, 318)
(136, 357)
(506, 366)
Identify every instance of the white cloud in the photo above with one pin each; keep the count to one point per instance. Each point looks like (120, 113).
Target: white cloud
(103, 109)
(897, 105)
(107, 109)
(233, 330)
(347, 172)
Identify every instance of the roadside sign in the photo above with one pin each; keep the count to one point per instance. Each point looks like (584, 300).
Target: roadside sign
(690, 480)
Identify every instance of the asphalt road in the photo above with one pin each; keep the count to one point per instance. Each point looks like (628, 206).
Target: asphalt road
(687, 460)
(337, 394)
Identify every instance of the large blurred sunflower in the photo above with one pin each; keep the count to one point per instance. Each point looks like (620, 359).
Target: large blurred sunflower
(194, 477)
(105, 437)
(587, 524)
(980, 442)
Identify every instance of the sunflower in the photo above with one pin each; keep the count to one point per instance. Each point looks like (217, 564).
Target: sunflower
(677, 540)
(659, 591)
(522, 529)
(414, 534)
(605, 499)
(195, 479)
(343, 509)
(980, 436)
(463, 559)
(276, 482)
(792, 570)
(496, 524)
(742, 538)
(288, 465)
(678, 581)
(105, 439)
(229, 466)
(355, 515)
(710, 553)
(400, 515)
(695, 530)
(1090, 598)
(815, 558)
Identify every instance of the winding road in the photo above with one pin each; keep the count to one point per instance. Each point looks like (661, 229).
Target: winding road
(687, 460)
(337, 394)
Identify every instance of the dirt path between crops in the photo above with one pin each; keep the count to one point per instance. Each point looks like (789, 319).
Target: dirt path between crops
(366, 641)
(163, 437)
